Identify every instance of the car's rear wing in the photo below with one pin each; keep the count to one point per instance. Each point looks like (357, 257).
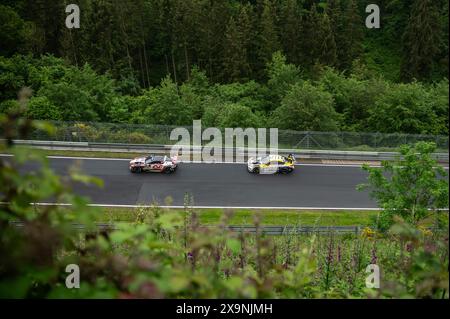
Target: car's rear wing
(291, 158)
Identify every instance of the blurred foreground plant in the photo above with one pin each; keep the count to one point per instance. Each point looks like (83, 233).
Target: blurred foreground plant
(28, 255)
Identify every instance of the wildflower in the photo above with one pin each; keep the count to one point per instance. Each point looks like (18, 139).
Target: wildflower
(330, 256)
(368, 233)
(430, 247)
(425, 231)
(339, 253)
(374, 255)
(409, 247)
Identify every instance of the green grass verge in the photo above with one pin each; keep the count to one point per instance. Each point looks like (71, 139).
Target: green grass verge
(91, 154)
(267, 217)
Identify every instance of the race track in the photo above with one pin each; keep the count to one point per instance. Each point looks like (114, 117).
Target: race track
(223, 185)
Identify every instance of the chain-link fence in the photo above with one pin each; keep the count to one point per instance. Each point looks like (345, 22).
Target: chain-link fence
(160, 134)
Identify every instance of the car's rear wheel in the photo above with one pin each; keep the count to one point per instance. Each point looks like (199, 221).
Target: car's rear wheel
(169, 170)
(255, 170)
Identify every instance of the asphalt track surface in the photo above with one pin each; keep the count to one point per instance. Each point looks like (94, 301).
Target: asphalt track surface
(222, 185)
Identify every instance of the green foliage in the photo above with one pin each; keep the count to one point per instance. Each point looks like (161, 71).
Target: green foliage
(237, 46)
(227, 114)
(74, 103)
(291, 30)
(141, 42)
(354, 98)
(350, 45)
(28, 264)
(8, 105)
(306, 108)
(438, 99)
(328, 50)
(281, 76)
(405, 108)
(427, 274)
(412, 187)
(13, 33)
(421, 40)
(42, 108)
(166, 106)
(71, 93)
(363, 101)
(236, 115)
(267, 35)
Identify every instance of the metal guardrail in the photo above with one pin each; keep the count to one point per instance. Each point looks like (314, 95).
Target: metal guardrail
(155, 148)
(160, 134)
(295, 230)
(247, 229)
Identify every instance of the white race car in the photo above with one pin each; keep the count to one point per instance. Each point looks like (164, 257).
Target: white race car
(271, 164)
(155, 164)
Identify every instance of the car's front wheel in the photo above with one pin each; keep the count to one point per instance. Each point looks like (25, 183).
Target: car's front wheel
(287, 170)
(170, 170)
(136, 170)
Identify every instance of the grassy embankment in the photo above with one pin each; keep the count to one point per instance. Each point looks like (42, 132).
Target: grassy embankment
(213, 216)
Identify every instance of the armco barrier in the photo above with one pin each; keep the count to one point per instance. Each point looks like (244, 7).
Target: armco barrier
(267, 230)
(151, 148)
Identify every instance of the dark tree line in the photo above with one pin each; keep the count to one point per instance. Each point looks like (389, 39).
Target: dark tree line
(231, 40)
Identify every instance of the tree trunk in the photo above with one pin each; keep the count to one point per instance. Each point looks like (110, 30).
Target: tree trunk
(187, 61)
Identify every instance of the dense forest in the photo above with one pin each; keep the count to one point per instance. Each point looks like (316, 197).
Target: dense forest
(291, 64)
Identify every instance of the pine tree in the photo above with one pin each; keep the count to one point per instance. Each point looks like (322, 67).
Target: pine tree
(350, 44)
(267, 36)
(421, 41)
(290, 24)
(311, 43)
(236, 61)
(328, 46)
(334, 13)
(100, 46)
(184, 24)
(49, 19)
(211, 37)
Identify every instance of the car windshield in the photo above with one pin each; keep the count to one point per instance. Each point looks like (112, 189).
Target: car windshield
(265, 160)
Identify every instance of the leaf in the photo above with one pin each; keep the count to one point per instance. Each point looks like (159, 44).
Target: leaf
(45, 126)
(234, 245)
(85, 179)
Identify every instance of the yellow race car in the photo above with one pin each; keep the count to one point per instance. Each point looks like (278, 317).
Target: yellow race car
(271, 164)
